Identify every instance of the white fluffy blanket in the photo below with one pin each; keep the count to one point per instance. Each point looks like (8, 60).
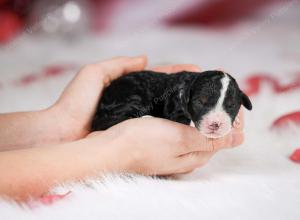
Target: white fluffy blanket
(254, 181)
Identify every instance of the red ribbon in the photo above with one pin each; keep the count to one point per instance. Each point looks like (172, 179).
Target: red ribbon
(48, 72)
(254, 84)
(296, 156)
(284, 120)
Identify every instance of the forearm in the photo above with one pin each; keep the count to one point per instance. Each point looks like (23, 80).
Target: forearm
(33, 171)
(29, 129)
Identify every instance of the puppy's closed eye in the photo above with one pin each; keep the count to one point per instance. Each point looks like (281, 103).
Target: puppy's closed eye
(230, 103)
(203, 99)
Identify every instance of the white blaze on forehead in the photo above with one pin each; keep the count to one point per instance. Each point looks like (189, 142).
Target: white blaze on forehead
(225, 83)
(217, 115)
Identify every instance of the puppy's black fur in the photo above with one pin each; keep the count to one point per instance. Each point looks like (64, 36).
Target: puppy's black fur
(179, 97)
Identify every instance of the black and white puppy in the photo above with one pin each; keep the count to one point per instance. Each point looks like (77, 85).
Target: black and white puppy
(209, 100)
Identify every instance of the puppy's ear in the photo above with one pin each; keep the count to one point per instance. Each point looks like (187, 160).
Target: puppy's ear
(246, 101)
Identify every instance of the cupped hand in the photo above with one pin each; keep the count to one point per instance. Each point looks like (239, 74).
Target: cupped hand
(77, 105)
(155, 146)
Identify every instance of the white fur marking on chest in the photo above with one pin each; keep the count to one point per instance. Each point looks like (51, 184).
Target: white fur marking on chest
(147, 116)
(225, 83)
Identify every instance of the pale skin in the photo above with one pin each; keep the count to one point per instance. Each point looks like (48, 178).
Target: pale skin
(43, 148)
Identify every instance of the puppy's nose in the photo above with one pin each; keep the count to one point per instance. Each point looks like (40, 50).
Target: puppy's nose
(214, 126)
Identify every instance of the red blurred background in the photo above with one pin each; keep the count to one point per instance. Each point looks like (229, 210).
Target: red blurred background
(15, 15)
(257, 41)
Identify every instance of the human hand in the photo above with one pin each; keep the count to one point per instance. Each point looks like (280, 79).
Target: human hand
(77, 105)
(155, 146)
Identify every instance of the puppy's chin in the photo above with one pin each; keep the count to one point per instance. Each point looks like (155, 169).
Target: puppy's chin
(221, 118)
(214, 135)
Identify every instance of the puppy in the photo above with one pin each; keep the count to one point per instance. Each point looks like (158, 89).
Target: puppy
(209, 100)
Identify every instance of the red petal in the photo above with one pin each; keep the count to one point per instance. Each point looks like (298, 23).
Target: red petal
(54, 70)
(284, 120)
(50, 199)
(28, 79)
(296, 156)
(254, 83)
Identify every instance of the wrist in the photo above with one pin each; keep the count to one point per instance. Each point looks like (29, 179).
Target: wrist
(66, 128)
(111, 153)
(128, 157)
(58, 124)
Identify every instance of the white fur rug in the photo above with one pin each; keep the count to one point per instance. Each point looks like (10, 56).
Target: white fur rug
(254, 181)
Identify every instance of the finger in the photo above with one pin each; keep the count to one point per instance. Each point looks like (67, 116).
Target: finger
(176, 68)
(238, 124)
(116, 67)
(238, 127)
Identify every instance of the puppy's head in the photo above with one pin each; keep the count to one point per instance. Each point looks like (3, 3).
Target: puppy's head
(212, 102)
